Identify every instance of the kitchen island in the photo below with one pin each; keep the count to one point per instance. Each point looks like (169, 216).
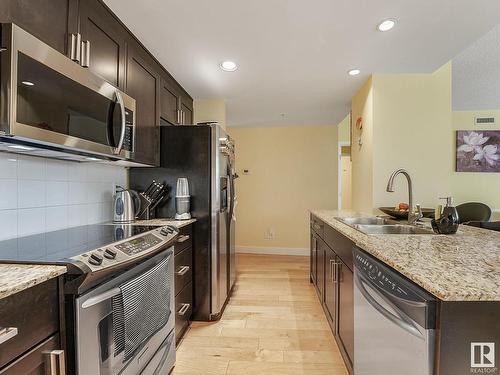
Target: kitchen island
(462, 271)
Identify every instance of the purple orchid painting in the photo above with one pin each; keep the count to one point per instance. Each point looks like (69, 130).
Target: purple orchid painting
(478, 151)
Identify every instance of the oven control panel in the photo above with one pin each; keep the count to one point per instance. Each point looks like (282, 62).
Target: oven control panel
(127, 249)
(139, 244)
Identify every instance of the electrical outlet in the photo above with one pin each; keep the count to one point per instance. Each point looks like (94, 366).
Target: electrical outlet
(269, 234)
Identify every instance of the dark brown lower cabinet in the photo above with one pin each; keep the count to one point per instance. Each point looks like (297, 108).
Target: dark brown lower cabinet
(183, 261)
(320, 270)
(345, 329)
(35, 314)
(330, 287)
(313, 260)
(332, 275)
(38, 361)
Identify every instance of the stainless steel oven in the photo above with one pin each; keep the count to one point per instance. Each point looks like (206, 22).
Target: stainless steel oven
(108, 334)
(47, 102)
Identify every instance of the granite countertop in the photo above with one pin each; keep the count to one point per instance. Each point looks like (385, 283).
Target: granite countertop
(160, 221)
(460, 267)
(15, 278)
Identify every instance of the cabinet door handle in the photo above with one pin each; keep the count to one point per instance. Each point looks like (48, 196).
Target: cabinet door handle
(332, 271)
(55, 363)
(85, 54)
(182, 239)
(74, 50)
(7, 333)
(339, 271)
(179, 116)
(335, 273)
(183, 270)
(183, 118)
(185, 307)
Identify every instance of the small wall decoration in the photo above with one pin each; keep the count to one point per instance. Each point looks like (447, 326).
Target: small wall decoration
(478, 151)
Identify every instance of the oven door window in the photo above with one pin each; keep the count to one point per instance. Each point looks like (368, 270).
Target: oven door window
(48, 100)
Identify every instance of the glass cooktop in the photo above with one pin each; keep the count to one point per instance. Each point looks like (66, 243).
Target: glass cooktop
(54, 247)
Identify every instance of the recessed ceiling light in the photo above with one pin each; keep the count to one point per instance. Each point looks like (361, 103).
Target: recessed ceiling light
(28, 83)
(20, 147)
(354, 72)
(228, 66)
(386, 25)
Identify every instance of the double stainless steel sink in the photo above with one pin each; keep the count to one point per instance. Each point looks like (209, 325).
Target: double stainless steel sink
(379, 225)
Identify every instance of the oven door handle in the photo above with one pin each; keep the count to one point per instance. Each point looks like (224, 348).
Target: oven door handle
(401, 321)
(101, 297)
(119, 100)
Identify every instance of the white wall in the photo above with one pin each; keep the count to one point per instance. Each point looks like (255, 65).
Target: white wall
(39, 195)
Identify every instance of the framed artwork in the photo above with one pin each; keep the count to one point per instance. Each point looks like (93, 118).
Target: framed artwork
(478, 151)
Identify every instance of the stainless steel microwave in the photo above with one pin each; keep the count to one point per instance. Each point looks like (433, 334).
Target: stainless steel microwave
(51, 106)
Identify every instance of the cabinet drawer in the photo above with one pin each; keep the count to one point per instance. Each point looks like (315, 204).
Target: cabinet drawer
(184, 240)
(317, 225)
(35, 362)
(183, 264)
(35, 314)
(340, 244)
(183, 310)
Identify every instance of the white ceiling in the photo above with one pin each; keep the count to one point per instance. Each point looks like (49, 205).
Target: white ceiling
(294, 54)
(476, 75)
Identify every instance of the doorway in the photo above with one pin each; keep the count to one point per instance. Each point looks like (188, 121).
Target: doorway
(344, 177)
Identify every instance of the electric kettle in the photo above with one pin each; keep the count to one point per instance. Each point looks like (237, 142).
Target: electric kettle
(126, 204)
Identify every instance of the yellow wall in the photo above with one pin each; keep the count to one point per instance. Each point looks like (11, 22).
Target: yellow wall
(362, 165)
(344, 129)
(291, 170)
(406, 124)
(469, 186)
(412, 116)
(210, 110)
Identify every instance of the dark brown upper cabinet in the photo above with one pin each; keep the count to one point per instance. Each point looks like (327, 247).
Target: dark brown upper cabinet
(107, 42)
(176, 105)
(170, 99)
(49, 20)
(186, 111)
(90, 34)
(143, 84)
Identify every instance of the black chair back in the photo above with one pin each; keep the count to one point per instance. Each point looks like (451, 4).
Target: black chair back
(473, 211)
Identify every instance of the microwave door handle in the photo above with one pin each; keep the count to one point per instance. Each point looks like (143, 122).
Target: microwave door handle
(119, 100)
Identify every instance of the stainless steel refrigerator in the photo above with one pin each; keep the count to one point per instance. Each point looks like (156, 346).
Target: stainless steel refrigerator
(205, 155)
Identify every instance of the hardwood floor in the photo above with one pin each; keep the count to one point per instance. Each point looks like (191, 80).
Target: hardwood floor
(273, 325)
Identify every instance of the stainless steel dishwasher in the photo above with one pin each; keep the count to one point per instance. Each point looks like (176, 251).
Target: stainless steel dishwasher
(394, 321)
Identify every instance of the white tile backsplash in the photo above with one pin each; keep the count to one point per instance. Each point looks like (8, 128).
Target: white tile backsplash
(56, 218)
(57, 193)
(8, 194)
(57, 170)
(8, 220)
(39, 195)
(77, 192)
(31, 168)
(31, 193)
(8, 167)
(30, 221)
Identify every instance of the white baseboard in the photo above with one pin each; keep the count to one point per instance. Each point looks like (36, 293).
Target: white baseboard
(272, 250)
